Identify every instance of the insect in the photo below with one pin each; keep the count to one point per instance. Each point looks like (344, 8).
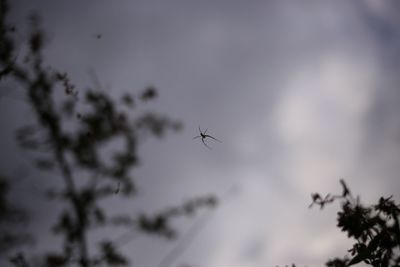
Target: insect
(204, 135)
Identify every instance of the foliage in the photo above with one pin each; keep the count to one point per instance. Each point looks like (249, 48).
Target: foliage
(10, 217)
(375, 229)
(70, 135)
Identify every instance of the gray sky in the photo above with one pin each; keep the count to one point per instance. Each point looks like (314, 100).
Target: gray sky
(301, 93)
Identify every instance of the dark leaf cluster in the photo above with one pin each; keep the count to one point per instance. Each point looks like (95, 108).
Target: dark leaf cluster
(374, 228)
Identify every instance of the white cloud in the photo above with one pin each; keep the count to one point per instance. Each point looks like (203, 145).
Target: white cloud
(320, 117)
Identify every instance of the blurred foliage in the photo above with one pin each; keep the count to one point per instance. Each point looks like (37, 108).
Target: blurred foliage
(12, 219)
(69, 135)
(374, 228)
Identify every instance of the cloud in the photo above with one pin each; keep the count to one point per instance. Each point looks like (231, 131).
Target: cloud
(320, 117)
(300, 92)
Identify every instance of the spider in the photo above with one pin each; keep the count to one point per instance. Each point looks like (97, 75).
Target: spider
(204, 135)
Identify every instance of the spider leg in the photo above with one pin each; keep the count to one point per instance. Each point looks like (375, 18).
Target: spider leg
(213, 138)
(205, 131)
(199, 129)
(205, 143)
(196, 137)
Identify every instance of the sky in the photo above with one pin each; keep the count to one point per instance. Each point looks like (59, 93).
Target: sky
(301, 93)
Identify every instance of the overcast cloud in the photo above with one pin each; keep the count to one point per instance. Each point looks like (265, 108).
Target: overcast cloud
(301, 93)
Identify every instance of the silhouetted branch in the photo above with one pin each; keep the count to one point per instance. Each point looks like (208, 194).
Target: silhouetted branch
(375, 229)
